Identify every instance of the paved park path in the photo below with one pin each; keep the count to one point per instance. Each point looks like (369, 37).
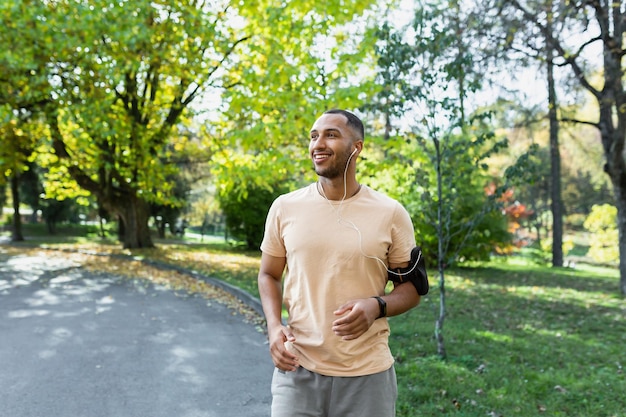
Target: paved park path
(75, 343)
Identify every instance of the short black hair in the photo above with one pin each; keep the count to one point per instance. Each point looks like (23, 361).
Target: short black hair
(353, 121)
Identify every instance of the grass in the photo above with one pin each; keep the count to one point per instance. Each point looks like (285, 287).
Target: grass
(521, 339)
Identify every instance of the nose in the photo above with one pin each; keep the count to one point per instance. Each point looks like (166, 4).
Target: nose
(318, 143)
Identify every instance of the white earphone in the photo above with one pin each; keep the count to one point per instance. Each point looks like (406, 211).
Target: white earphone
(351, 225)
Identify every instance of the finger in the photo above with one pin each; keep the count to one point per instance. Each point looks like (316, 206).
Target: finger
(352, 336)
(347, 327)
(343, 309)
(288, 335)
(285, 360)
(352, 333)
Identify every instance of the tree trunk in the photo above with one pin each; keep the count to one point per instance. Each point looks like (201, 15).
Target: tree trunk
(613, 134)
(612, 122)
(121, 232)
(16, 234)
(616, 168)
(441, 347)
(555, 161)
(134, 215)
(620, 193)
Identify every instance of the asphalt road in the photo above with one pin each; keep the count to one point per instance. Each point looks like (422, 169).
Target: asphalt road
(74, 343)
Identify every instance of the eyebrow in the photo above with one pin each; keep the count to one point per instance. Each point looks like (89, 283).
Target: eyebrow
(332, 129)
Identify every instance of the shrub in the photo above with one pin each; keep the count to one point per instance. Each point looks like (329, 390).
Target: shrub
(602, 224)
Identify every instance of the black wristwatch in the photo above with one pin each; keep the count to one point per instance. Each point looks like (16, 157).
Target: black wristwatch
(383, 307)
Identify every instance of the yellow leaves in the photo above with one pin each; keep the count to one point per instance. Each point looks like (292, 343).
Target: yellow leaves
(59, 186)
(179, 147)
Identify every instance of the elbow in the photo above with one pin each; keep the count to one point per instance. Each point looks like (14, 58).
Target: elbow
(416, 300)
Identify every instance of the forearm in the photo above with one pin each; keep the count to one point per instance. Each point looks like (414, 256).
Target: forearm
(270, 292)
(401, 299)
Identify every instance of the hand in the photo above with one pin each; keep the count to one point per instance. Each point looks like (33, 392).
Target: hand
(359, 318)
(282, 358)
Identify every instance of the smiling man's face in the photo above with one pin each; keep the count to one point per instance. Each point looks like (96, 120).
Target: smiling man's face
(330, 146)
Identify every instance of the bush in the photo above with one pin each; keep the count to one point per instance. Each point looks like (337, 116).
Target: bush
(246, 212)
(602, 224)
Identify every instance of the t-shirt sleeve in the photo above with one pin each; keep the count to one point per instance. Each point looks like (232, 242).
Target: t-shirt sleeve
(273, 243)
(402, 236)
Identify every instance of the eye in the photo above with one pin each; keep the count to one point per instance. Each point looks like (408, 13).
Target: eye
(314, 136)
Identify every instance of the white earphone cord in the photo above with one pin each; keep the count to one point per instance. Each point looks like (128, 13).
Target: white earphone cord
(340, 220)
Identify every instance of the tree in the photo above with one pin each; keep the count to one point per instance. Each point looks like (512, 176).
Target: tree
(555, 154)
(18, 145)
(432, 75)
(31, 188)
(124, 76)
(599, 24)
(23, 88)
(123, 93)
(512, 41)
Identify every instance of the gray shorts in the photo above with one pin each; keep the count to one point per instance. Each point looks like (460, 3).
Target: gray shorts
(303, 393)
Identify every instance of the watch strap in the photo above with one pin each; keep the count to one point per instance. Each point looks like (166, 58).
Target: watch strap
(383, 307)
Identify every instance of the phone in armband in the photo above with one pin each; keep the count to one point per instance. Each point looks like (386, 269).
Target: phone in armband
(415, 272)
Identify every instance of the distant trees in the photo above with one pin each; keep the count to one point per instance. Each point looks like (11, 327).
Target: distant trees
(116, 81)
(123, 96)
(591, 47)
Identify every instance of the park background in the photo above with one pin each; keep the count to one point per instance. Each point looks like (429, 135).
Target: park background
(163, 130)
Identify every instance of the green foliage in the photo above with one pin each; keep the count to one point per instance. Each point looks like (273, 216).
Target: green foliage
(57, 211)
(442, 166)
(603, 241)
(246, 212)
(472, 221)
(302, 59)
(130, 89)
(19, 135)
(121, 78)
(24, 82)
(461, 213)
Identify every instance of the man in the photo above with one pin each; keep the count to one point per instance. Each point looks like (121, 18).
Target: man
(335, 238)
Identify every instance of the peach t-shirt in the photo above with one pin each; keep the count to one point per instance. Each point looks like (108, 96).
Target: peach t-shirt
(330, 249)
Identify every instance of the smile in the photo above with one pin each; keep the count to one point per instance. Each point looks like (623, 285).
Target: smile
(320, 157)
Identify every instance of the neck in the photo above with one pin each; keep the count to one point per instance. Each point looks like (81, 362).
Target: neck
(334, 189)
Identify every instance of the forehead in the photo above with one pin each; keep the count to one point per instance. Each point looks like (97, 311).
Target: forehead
(330, 122)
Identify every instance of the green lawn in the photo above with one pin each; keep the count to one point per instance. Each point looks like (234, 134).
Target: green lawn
(521, 340)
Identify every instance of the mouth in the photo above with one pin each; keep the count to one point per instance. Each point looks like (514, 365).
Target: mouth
(320, 157)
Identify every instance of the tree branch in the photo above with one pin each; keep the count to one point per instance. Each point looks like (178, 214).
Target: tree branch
(569, 59)
(582, 122)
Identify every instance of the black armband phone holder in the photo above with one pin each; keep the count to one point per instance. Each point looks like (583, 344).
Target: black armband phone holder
(415, 272)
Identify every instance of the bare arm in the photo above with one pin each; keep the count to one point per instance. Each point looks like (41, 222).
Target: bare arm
(362, 313)
(270, 290)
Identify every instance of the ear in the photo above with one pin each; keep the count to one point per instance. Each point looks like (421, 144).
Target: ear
(358, 147)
